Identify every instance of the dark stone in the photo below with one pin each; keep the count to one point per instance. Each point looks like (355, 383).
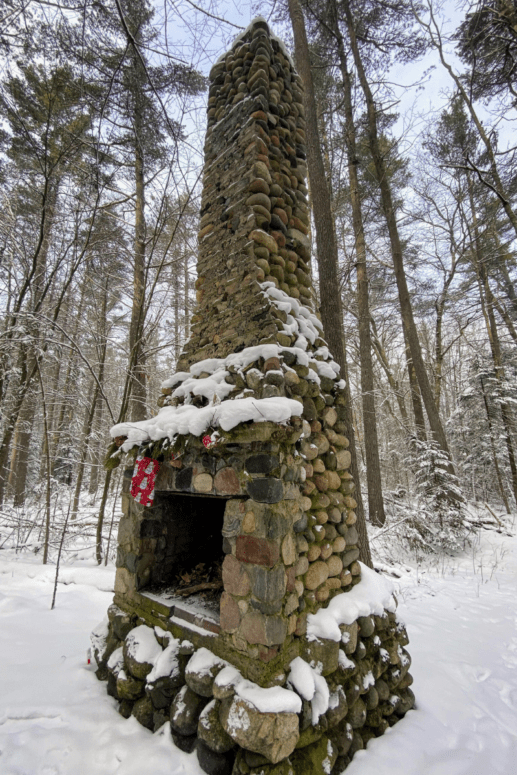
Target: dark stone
(383, 689)
(367, 626)
(262, 464)
(209, 463)
(184, 479)
(112, 685)
(214, 763)
(267, 608)
(266, 490)
(183, 742)
(352, 691)
(253, 759)
(129, 688)
(125, 708)
(164, 690)
(276, 526)
(160, 718)
(327, 384)
(267, 586)
(151, 528)
(121, 624)
(407, 701)
(357, 744)
(309, 409)
(185, 711)
(102, 673)
(360, 651)
(342, 737)
(356, 715)
(330, 531)
(371, 700)
(143, 712)
(352, 536)
(350, 556)
(301, 524)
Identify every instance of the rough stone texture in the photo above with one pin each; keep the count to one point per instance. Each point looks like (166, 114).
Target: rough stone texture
(230, 614)
(266, 630)
(226, 482)
(185, 711)
(266, 490)
(273, 735)
(211, 731)
(129, 688)
(315, 759)
(235, 579)
(143, 712)
(258, 551)
(214, 763)
(201, 681)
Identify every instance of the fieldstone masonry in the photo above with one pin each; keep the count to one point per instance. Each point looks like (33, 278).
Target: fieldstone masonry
(273, 497)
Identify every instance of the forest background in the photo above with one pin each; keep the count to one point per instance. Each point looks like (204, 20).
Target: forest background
(412, 173)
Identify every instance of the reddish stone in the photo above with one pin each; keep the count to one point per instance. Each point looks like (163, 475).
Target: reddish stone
(272, 364)
(235, 579)
(279, 238)
(291, 578)
(281, 214)
(259, 551)
(301, 625)
(321, 483)
(259, 115)
(299, 225)
(264, 158)
(176, 463)
(261, 146)
(266, 655)
(230, 614)
(226, 482)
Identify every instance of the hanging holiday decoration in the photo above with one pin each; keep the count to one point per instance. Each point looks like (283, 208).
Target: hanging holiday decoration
(144, 477)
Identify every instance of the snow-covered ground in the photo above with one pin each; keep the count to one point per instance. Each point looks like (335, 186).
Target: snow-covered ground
(56, 719)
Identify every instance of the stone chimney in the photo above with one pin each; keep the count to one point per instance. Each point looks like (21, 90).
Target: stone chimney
(241, 615)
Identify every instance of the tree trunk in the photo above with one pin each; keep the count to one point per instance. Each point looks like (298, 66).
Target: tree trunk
(93, 405)
(20, 451)
(331, 313)
(371, 444)
(487, 308)
(494, 452)
(416, 398)
(136, 330)
(426, 391)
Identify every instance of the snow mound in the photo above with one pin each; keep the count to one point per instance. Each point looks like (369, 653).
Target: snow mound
(310, 685)
(174, 420)
(272, 700)
(372, 596)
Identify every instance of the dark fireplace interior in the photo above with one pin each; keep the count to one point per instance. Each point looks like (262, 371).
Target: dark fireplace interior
(189, 556)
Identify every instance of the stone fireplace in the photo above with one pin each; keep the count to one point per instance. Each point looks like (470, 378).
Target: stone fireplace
(242, 616)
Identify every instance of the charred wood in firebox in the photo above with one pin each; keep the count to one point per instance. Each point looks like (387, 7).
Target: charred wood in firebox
(200, 587)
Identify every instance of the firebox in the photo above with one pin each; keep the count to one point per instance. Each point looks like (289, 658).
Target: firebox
(189, 544)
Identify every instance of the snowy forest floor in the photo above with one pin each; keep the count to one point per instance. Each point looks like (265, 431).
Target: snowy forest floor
(461, 615)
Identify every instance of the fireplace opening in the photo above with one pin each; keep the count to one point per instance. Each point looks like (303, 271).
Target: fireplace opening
(187, 571)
